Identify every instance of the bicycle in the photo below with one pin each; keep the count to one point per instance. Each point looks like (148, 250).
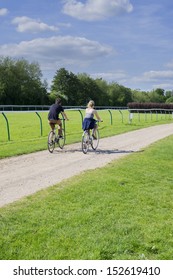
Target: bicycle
(88, 140)
(54, 139)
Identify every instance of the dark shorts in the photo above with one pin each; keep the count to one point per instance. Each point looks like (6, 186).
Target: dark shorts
(88, 123)
(53, 121)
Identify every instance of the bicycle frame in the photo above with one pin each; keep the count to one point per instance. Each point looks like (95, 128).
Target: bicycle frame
(88, 139)
(53, 138)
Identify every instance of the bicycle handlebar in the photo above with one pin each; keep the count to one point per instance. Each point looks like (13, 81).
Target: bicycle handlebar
(64, 119)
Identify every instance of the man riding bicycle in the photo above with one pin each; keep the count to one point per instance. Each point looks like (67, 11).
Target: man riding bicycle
(53, 116)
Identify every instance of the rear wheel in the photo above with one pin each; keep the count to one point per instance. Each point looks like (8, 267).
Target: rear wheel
(61, 141)
(85, 142)
(51, 141)
(95, 140)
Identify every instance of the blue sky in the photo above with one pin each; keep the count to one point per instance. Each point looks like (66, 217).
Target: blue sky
(125, 41)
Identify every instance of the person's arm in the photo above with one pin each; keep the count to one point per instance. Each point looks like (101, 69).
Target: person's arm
(65, 116)
(97, 116)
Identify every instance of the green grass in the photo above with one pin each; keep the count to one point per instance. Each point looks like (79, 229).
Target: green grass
(25, 130)
(121, 211)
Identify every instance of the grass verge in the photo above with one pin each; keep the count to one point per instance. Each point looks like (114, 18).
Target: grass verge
(121, 211)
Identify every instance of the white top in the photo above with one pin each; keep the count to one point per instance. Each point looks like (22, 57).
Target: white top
(89, 113)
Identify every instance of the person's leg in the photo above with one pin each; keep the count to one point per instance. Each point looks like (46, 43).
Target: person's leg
(93, 132)
(52, 125)
(60, 127)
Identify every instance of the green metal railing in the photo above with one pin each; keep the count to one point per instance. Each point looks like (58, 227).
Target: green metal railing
(147, 113)
(7, 123)
(41, 122)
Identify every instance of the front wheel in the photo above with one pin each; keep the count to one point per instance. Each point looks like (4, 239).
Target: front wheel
(95, 140)
(85, 142)
(61, 141)
(51, 141)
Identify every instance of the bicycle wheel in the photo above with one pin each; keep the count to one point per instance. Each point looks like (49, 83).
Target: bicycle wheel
(85, 142)
(51, 141)
(61, 141)
(95, 140)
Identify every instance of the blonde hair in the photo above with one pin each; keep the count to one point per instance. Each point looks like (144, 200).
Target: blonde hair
(91, 104)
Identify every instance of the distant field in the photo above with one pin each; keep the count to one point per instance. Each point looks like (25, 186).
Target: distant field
(26, 135)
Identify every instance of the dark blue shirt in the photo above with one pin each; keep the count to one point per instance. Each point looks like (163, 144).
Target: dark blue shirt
(54, 112)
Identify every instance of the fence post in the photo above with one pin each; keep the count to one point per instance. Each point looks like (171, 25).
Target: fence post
(81, 114)
(151, 116)
(139, 117)
(110, 115)
(8, 129)
(41, 126)
(130, 117)
(156, 115)
(121, 115)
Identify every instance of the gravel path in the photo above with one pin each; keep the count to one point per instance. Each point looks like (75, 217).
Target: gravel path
(24, 175)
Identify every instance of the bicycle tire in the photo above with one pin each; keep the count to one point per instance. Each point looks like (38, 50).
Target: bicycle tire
(61, 141)
(95, 142)
(85, 142)
(51, 141)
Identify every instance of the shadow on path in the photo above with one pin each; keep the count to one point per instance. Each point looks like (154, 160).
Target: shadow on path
(98, 151)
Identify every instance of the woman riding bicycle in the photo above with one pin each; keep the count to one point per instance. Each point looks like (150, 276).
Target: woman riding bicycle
(89, 122)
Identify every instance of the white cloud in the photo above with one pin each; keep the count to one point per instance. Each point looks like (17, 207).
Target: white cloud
(154, 76)
(159, 75)
(3, 11)
(58, 50)
(96, 9)
(170, 64)
(26, 24)
(156, 79)
(110, 76)
(165, 86)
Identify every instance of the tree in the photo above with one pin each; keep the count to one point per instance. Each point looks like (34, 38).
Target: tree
(103, 91)
(66, 85)
(157, 96)
(20, 83)
(140, 96)
(119, 95)
(89, 89)
(169, 100)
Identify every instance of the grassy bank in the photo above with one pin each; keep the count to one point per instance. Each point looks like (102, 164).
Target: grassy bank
(122, 211)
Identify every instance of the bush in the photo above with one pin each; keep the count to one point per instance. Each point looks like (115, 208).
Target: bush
(149, 105)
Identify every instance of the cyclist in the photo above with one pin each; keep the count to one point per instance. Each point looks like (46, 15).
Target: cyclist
(89, 122)
(53, 116)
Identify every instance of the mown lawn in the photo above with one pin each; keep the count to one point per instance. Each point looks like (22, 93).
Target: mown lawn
(121, 211)
(26, 135)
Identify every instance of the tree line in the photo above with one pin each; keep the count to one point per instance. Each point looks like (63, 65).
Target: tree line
(21, 83)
